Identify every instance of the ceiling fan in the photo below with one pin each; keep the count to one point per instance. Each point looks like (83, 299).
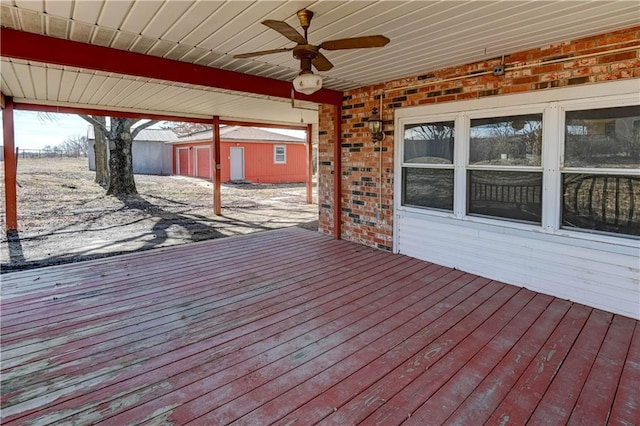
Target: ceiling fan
(308, 54)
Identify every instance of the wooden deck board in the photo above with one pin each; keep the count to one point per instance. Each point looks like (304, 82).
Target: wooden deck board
(290, 326)
(524, 395)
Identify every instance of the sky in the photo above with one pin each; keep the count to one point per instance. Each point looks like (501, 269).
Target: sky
(34, 131)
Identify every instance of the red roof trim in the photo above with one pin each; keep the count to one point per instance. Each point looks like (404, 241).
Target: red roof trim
(36, 47)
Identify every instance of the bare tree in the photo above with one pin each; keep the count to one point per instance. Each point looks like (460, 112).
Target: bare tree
(120, 136)
(100, 152)
(185, 128)
(75, 146)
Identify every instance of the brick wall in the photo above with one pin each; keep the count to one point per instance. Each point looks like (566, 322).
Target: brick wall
(367, 189)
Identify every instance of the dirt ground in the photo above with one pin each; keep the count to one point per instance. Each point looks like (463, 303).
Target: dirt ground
(63, 216)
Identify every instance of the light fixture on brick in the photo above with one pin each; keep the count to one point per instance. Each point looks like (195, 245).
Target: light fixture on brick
(375, 125)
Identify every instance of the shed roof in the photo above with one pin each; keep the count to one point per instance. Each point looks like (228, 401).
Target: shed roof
(240, 133)
(146, 135)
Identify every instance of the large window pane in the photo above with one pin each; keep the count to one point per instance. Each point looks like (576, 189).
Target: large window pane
(428, 188)
(429, 143)
(513, 140)
(510, 195)
(607, 137)
(608, 203)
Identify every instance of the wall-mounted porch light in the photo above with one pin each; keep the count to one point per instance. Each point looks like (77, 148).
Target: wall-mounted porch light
(375, 125)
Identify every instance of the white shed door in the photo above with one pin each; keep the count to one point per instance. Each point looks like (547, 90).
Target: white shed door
(237, 163)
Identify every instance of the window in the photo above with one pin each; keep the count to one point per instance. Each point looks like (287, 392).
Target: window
(599, 190)
(504, 174)
(530, 163)
(427, 168)
(280, 154)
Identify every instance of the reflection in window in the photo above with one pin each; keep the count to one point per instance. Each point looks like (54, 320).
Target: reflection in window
(510, 195)
(513, 140)
(429, 143)
(603, 138)
(601, 202)
(431, 188)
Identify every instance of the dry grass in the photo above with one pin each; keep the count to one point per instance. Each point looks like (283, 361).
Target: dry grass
(64, 216)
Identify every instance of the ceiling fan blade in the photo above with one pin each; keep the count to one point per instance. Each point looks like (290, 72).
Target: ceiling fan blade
(355, 42)
(263, 52)
(286, 30)
(321, 63)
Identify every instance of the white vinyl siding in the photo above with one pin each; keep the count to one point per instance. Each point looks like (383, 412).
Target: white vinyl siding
(597, 269)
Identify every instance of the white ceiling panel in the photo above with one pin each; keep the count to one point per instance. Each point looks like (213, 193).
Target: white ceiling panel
(73, 87)
(140, 15)
(165, 18)
(192, 19)
(35, 5)
(425, 36)
(67, 81)
(113, 13)
(87, 11)
(10, 84)
(54, 78)
(59, 7)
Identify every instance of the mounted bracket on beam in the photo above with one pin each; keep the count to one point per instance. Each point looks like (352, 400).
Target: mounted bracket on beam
(293, 103)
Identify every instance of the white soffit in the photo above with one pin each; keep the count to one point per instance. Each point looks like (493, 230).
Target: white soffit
(425, 36)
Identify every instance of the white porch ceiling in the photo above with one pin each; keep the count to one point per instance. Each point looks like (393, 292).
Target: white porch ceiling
(425, 36)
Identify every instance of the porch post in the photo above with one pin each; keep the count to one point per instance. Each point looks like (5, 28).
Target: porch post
(337, 172)
(10, 165)
(217, 206)
(309, 164)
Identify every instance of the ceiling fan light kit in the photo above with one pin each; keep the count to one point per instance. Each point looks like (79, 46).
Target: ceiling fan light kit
(307, 83)
(309, 55)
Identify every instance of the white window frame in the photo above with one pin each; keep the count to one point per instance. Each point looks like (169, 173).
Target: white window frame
(452, 166)
(584, 105)
(275, 154)
(465, 166)
(553, 104)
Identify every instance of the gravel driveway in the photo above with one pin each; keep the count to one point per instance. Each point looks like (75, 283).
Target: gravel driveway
(64, 216)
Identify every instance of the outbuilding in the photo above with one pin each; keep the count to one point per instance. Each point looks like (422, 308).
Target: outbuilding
(151, 153)
(248, 154)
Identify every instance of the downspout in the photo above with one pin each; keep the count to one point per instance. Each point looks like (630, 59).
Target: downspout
(337, 172)
(10, 165)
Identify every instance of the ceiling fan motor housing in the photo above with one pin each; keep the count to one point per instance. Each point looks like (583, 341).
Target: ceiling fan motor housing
(305, 16)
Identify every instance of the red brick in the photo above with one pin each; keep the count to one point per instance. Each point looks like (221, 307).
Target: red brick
(470, 95)
(446, 98)
(551, 52)
(617, 57)
(625, 65)
(518, 88)
(546, 69)
(525, 78)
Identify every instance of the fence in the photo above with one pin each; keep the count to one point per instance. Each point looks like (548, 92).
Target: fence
(43, 153)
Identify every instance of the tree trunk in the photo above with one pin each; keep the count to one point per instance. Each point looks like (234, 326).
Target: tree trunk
(121, 181)
(100, 149)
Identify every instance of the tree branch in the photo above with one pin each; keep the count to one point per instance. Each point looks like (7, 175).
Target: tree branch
(135, 131)
(94, 122)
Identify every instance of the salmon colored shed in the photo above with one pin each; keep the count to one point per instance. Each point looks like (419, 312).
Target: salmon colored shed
(246, 153)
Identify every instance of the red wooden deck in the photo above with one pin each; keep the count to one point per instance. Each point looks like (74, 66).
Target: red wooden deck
(292, 327)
